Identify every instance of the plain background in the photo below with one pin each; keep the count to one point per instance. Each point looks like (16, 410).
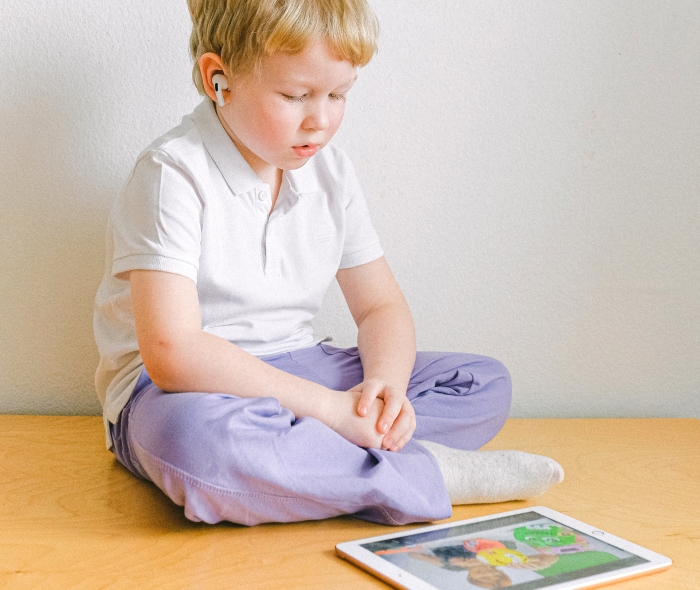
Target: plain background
(532, 168)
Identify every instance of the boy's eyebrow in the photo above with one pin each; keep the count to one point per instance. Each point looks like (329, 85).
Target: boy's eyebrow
(350, 82)
(303, 82)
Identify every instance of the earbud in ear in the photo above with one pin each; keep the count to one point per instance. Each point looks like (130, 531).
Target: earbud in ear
(220, 83)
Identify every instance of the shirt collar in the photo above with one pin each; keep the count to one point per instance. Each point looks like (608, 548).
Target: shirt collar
(237, 173)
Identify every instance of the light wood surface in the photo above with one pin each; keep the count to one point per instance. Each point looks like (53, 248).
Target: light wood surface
(72, 517)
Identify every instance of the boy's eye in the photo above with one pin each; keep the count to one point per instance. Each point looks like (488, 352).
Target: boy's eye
(291, 98)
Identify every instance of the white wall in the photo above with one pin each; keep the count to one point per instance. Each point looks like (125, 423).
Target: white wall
(532, 167)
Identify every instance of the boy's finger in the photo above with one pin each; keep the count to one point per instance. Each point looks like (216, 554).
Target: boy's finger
(392, 408)
(370, 391)
(402, 430)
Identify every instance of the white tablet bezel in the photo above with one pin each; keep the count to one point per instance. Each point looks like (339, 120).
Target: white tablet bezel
(392, 574)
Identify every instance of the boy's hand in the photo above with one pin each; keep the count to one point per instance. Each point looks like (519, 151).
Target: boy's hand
(398, 420)
(340, 414)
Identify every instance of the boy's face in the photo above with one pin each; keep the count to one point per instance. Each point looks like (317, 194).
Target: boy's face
(282, 117)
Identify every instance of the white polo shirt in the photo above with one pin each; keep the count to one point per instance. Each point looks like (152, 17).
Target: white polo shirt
(194, 207)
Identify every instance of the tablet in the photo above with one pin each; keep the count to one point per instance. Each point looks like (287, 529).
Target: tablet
(523, 549)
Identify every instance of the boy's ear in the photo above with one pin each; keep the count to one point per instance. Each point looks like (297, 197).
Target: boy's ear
(210, 64)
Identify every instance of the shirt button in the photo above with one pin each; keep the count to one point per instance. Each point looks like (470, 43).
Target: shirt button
(261, 196)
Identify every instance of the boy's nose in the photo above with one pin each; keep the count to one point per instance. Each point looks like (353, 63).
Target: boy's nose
(317, 118)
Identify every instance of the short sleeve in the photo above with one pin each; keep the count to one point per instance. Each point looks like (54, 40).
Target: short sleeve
(362, 243)
(156, 223)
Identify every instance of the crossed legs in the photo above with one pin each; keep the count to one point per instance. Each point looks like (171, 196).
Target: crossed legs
(248, 460)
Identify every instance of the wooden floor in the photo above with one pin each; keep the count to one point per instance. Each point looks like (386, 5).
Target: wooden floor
(71, 517)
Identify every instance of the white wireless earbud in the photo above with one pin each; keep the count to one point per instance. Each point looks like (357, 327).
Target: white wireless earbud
(220, 83)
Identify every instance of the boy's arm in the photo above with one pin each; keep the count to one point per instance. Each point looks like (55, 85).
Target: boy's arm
(180, 356)
(387, 343)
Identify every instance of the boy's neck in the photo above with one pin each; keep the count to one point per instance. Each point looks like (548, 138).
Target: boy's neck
(267, 173)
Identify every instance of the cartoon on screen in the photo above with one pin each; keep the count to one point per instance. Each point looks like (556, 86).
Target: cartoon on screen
(504, 557)
(552, 540)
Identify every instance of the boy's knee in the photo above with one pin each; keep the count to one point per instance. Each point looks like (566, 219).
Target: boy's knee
(488, 374)
(488, 371)
(494, 368)
(502, 387)
(502, 375)
(491, 384)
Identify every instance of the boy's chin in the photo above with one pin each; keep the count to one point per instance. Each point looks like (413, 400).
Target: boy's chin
(296, 165)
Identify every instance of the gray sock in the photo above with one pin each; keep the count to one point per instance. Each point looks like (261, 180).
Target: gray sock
(478, 477)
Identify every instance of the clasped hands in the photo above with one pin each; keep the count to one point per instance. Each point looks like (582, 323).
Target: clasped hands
(373, 414)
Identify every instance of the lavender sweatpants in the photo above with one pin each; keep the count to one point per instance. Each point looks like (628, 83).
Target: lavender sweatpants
(249, 460)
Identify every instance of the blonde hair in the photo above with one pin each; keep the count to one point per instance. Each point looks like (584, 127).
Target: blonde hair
(242, 32)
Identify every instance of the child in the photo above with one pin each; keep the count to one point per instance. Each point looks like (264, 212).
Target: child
(220, 249)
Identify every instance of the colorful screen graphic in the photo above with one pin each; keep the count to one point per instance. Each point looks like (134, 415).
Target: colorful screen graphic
(524, 552)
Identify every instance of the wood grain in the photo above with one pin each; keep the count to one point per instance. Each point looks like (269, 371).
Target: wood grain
(72, 517)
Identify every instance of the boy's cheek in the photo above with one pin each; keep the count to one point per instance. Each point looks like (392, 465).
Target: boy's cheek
(337, 116)
(275, 129)
(335, 125)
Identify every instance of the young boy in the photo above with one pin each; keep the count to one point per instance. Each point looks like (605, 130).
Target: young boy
(220, 249)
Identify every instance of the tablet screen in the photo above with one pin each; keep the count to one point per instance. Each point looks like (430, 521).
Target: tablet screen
(521, 551)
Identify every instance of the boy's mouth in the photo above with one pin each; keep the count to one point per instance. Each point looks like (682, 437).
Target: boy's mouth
(307, 150)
